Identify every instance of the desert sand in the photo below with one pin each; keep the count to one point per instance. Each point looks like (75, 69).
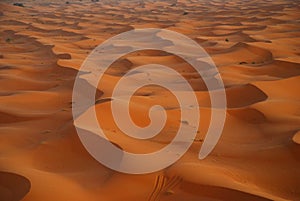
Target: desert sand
(254, 44)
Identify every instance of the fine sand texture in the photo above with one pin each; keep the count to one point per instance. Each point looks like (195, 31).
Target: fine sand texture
(254, 44)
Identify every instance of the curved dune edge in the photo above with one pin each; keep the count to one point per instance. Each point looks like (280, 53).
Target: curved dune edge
(13, 187)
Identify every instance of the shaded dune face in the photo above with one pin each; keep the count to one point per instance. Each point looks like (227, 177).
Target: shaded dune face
(13, 187)
(245, 95)
(207, 193)
(254, 44)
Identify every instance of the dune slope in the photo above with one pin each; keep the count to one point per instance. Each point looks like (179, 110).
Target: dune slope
(254, 44)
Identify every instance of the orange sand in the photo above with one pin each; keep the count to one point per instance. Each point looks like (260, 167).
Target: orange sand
(255, 45)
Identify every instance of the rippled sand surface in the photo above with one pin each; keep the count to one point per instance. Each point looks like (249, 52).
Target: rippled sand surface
(254, 44)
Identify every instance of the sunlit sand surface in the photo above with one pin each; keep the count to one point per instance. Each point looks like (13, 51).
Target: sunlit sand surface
(254, 44)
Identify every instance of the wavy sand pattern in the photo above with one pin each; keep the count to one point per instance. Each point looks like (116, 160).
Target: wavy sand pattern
(255, 45)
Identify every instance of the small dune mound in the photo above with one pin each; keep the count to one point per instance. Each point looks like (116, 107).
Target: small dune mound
(241, 96)
(249, 115)
(205, 43)
(119, 67)
(281, 89)
(6, 117)
(296, 138)
(243, 54)
(276, 69)
(13, 187)
(234, 36)
(257, 54)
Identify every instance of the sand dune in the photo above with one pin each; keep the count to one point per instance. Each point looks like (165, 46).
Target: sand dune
(254, 44)
(13, 187)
